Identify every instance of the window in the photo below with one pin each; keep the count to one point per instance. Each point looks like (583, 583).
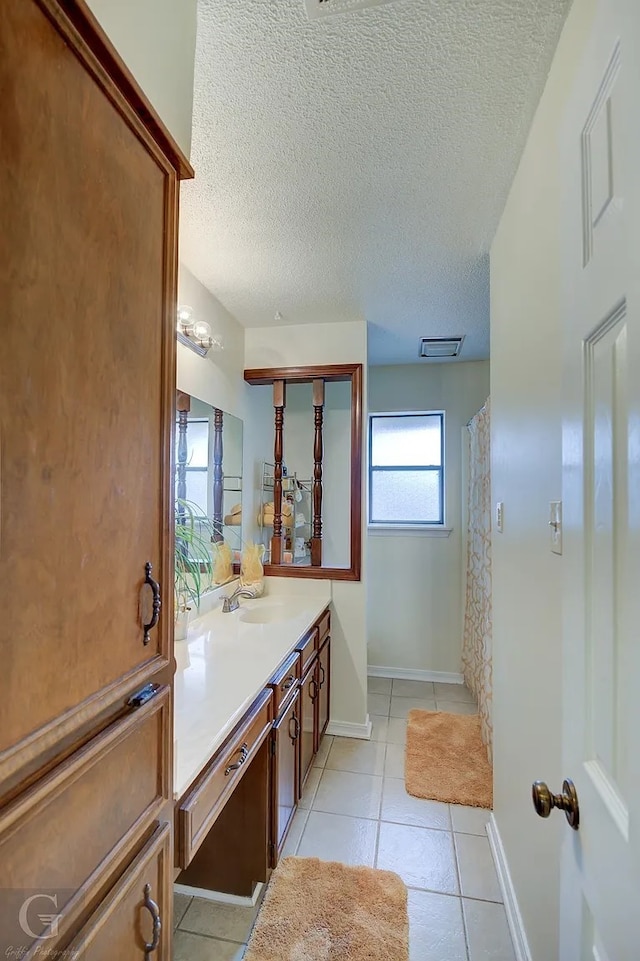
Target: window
(406, 469)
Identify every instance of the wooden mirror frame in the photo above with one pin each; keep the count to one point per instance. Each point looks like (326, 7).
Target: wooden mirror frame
(328, 373)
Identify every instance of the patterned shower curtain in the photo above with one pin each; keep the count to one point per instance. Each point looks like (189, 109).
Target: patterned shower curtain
(476, 645)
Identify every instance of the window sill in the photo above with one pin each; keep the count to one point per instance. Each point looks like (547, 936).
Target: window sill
(407, 530)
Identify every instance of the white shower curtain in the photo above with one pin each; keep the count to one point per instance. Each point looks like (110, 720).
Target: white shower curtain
(476, 646)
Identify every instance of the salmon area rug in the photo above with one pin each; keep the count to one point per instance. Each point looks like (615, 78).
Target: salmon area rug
(445, 759)
(325, 911)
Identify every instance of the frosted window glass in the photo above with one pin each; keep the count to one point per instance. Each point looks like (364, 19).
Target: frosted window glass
(406, 441)
(197, 443)
(197, 488)
(406, 495)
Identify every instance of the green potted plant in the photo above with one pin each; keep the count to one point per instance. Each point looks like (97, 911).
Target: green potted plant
(193, 561)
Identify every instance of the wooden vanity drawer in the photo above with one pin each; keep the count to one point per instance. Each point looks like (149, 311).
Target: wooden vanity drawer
(200, 808)
(307, 646)
(123, 925)
(324, 626)
(69, 832)
(286, 678)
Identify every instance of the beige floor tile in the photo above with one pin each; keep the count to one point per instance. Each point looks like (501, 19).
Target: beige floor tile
(487, 931)
(397, 731)
(295, 833)
(378, 704)
(394, 761)
(195, 947)
(342, 792)
(420, 689)
(466, 820)
(226, 921)
(379, 685)
(478, 878)
(452, 692)
(400, 706)
(423, 858)
(323, 751)
(457, 707)
(436, 929)
(402, 808)
(180, 904)
(379, 727)
(361, 757)
(310, 787)
(332, 837)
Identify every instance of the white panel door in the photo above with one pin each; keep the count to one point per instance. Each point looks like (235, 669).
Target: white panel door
(600, 910)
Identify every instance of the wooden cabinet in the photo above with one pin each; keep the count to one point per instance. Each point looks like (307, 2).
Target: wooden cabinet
(324, 682)
(134, 919)
(89, 184)
(286, 757)
(308, 699)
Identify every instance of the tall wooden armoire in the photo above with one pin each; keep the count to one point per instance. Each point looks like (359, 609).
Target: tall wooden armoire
(89, 183)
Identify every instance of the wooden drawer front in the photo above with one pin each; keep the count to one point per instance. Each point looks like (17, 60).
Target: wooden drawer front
(201, 807)
(123, 925)
(308, 723)
(324, 626)
(285, 680)
(307, 645)
(70, 831)
(285, 780)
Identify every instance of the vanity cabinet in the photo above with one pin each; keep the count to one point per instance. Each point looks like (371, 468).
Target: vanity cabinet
(308, 733)
(315, 649)
(89, 186)
(324, 681)
(286, 764)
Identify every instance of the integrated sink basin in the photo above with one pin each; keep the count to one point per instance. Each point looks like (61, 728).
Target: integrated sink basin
(265, 612)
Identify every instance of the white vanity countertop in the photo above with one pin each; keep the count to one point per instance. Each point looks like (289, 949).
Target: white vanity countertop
(222, 667)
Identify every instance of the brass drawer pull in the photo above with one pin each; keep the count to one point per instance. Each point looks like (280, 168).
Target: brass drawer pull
(296, 735)
(288, 682)
(313, 693)
(324, 676)
(157, 602)
(154, 911)
(244, 754)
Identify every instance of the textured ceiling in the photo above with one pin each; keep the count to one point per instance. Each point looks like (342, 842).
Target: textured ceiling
(355, 167)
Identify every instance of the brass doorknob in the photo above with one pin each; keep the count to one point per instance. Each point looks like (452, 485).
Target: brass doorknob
(544, 801)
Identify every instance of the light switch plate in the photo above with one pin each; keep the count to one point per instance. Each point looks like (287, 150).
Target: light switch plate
(555, 526)
(500, 517)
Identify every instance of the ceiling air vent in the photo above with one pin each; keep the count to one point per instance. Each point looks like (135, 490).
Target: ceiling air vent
(324, 8)
(440, 346)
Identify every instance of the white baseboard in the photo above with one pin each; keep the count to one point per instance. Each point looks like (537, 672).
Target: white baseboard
(219, 896)
(348, 729)
(514, 918)
(412, 674)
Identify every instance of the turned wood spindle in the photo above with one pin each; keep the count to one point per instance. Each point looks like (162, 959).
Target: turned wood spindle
(316, 528)
(279, 403)
(218, 476)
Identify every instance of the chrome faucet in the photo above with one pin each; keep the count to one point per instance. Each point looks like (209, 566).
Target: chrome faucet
(232, 603)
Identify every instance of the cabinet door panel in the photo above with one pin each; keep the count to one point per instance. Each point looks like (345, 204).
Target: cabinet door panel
(324, 682)
(86, 283)
(286, 765)
(123, 924)
(309, 694)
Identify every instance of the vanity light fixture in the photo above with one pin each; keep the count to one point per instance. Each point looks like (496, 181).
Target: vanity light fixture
(196, 334)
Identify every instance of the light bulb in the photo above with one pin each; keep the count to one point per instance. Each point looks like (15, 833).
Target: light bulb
(185, 319)
(202, 333)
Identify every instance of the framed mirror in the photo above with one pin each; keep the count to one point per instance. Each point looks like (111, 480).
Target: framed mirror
(309, 471)
(208, 455)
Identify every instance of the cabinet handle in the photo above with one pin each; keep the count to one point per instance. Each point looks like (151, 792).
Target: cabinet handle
(323, 678)
(289, 682)
(313, 693)
(154, 911)
(244, 754)
(294, 737)
(157, 602)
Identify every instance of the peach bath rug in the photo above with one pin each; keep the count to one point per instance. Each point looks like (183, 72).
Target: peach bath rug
(445, 759)
(325, 911)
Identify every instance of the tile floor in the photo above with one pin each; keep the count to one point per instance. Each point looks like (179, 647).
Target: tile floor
(355, 810)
